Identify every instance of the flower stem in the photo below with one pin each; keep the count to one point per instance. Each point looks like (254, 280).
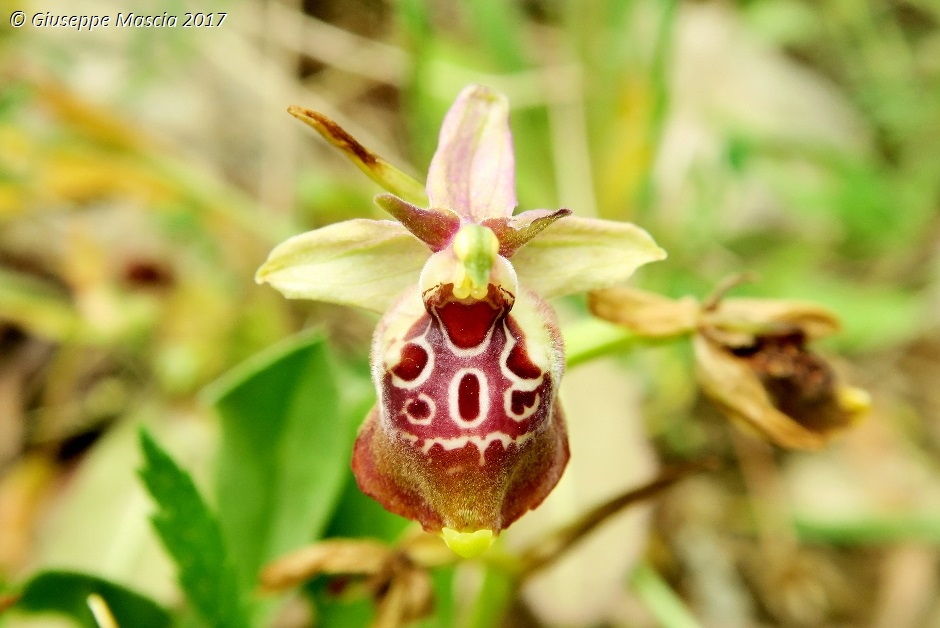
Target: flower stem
(551, 547)
(878, 530)
(669, 610)
(592, 338)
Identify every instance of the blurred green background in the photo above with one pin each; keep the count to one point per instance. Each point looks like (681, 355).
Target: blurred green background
(146, 173)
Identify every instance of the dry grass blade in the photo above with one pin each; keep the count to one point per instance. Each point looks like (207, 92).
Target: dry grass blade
(360, 557)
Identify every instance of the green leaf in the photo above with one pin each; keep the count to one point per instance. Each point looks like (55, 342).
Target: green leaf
(286, 444)
(358, 515)
(193, 538)
(67, 593)
(493, 599)
(665, 605)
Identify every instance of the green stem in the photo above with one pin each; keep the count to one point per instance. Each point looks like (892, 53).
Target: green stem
(592, 338)
(668, 608)
(874, 531)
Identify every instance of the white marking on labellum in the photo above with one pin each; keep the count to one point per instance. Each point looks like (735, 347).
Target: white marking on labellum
(483, 397)
(527, 411)
(481, 442)
(432, 410)
(408, 436)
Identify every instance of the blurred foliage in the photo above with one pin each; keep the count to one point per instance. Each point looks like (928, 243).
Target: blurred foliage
(64, 592)
(146, 173)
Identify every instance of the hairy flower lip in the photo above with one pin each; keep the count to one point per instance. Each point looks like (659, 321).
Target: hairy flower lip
(470, 500)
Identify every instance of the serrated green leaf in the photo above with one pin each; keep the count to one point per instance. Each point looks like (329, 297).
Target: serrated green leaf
(286, 444)
(67, 593)
(193, 538)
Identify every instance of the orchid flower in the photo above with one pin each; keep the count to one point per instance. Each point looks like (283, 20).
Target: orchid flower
(467, 434)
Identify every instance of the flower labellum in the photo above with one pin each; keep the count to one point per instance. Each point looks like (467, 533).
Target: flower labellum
(467, 434)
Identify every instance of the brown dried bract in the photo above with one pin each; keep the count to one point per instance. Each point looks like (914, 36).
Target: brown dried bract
(753, 362)
(752, 358)
(395, 577)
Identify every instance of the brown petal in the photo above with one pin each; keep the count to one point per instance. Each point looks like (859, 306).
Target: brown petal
(734, 387)
(645, 313)
(743, 319)
(409, 597)
(354, 557)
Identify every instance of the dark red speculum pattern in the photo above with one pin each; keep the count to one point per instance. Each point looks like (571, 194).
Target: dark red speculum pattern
(520, 364)
(523, 399)
(467, 380)
(467, 434)
(413, 361)
(467, 325)
(468, 397)
(419, 409)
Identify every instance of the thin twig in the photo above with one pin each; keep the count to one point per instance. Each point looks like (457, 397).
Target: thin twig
(544, 552)
(725, 286)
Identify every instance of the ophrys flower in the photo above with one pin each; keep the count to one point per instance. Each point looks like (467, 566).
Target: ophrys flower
(467, 434)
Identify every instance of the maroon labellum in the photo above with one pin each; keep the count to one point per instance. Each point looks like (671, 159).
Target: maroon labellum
(467, 434)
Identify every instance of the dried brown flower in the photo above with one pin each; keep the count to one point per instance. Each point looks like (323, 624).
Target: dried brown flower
(752, 360)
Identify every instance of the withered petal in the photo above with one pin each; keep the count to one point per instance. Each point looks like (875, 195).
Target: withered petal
(645, 313)
(332, 557)
(733, 386)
